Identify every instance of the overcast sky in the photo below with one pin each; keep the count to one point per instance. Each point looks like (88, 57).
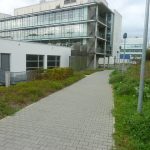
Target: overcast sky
(132, 12)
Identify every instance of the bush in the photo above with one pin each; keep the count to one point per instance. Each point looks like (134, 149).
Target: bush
(125, 89)
(116, 77)
(58, 73)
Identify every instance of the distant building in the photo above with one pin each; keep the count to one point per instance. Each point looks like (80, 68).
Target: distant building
(133, 49)
(4, 15)
(66, 22)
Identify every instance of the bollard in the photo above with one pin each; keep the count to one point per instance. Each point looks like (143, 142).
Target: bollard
(7, 78)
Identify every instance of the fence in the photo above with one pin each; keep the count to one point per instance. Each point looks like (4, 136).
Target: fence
(2, 77)
(16, 77)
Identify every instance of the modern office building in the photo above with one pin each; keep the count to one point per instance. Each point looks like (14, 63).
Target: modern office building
(133, 49)
(65, 22)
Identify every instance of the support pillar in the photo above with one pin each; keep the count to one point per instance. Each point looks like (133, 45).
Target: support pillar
(104, 62)
(105, 45)
(7, 78)
(95, 61)
(45, 62)
(96, 29)
(108, 61)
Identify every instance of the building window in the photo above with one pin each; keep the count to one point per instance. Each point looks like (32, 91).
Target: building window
(34, 62)
(4, 62)
(53, 61)
(69, 1)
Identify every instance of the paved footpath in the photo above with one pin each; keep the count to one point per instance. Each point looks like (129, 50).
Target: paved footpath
(75, 118)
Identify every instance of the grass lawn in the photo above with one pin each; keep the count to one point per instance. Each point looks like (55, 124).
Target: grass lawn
(132, 129)
(22, 94)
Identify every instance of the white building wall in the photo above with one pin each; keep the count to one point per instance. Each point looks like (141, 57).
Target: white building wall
(117, 33)
(18, 51)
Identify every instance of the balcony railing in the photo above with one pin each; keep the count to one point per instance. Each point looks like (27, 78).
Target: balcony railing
(101, 35)
(100, 50)
(102, 20)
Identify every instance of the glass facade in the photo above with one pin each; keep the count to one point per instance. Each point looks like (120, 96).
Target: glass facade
(61, 24)
(67, 16)
(68, 31)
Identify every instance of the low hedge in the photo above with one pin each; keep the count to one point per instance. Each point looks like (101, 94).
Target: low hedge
(57, 73)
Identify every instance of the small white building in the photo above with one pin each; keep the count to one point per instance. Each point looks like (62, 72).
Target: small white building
(18, 56)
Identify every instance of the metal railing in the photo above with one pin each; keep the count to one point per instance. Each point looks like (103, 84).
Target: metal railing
(102, 20)
(2, 77)
(16, 77)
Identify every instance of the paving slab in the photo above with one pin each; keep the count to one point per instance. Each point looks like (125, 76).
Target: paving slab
(75, 118)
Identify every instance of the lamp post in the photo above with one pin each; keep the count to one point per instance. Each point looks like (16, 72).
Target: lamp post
(141, 87)
(124, 53)
(118, 60)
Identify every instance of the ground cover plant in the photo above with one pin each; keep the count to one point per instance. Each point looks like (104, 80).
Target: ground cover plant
(132, 130)
(22, 94)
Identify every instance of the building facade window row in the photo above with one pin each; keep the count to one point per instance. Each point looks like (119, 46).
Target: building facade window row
(47, 32)
(34, 62)
(131, 50)
(44, 19)
(129, 46)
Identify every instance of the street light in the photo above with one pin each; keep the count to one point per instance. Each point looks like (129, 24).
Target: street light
(141, 87)
(124, 53)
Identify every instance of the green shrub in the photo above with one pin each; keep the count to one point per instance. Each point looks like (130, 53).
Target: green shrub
(125, 89)
(147, 91)
(56, 85)
(131, 129)
(139, 127)
(6, 109)
(116, 77)
(58, 73)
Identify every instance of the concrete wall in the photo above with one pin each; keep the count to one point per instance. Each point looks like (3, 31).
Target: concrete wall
(117, 33)
(18, 51)
(49, 5)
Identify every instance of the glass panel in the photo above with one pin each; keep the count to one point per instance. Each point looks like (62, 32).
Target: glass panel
(34, 61)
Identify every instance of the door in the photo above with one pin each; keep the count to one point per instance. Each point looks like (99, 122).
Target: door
(5, 62)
